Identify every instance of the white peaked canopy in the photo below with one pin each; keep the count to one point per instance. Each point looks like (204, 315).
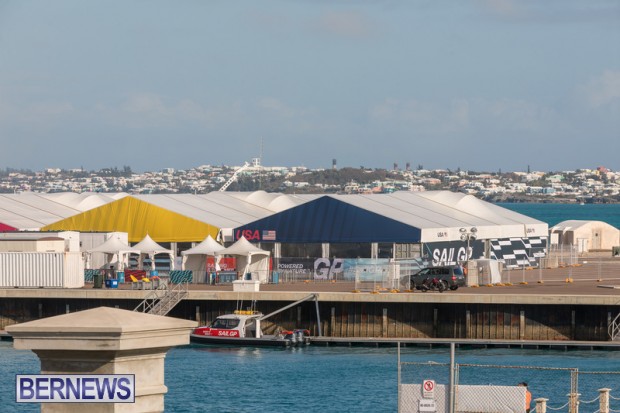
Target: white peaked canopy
(250, 259)
(195, 259)
(116, 252)
(149, 248)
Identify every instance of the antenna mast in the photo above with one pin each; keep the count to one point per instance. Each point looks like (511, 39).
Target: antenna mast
(260, 171)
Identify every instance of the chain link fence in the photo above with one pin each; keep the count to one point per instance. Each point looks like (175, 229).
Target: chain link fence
(368, 274)
(425, 387)
(563, 265)
(596, 268)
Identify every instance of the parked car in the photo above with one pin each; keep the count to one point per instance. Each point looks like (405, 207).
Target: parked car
(452, 275)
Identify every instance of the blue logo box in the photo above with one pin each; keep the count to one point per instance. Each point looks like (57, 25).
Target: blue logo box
(75, 388)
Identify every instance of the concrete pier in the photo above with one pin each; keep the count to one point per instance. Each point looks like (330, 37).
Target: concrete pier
(105, 340)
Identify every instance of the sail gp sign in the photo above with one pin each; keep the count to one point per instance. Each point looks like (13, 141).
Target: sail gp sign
(75, 388)
(452, 253)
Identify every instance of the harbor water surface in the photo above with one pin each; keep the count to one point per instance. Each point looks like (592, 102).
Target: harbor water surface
(331, 379)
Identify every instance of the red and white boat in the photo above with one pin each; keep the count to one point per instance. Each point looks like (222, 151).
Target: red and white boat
(243, 328)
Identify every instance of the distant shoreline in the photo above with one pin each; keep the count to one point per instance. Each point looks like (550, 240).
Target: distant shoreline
(545, 200)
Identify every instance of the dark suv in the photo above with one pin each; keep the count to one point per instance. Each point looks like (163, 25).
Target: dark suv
(452, 274)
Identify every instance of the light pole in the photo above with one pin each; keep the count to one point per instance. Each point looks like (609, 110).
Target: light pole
(468, 235)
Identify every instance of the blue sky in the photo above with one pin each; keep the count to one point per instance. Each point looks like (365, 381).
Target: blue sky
(479, 84)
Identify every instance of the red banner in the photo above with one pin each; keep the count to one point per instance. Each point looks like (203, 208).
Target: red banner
(226, 264)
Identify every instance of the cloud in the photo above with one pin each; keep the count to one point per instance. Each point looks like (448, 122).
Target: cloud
(602, 90)
(276, 107)
(146, 104)
(549, 12)
(350, 24)
(460, 116)
(37, 112)
(146, 110)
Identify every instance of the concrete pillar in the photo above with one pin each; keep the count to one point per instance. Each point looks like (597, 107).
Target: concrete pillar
(604, 400)
(541, 405)
(105, 340)
(573, 402)
(472, 277)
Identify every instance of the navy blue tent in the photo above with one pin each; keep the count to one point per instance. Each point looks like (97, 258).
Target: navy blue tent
(327, 219)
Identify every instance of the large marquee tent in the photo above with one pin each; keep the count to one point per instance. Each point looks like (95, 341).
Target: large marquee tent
(409, 217)
(30, 211)
(177, 217)
(402, 217)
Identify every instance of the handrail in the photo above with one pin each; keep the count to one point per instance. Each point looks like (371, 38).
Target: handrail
(158, 304)
(153, 296)
(613, 329)
(170, 300)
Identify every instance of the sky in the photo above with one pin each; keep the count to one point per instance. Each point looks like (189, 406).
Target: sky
(482, 85)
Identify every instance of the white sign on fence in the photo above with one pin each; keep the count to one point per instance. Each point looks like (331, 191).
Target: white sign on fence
(428, 389)
(427, 405)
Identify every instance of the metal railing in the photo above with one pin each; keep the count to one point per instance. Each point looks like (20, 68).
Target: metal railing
(614, 328)
(493, 388)
(163, 299)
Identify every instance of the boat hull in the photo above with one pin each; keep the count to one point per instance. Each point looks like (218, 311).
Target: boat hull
(246, 341)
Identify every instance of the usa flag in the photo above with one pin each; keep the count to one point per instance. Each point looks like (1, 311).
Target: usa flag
(269, 235)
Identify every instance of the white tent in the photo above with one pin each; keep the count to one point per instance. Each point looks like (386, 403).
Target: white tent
(586, 235)
(149, 248)
(195, 259)
(116, 252)
(250, 259)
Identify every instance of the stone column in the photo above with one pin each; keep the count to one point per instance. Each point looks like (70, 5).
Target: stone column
(105, 340)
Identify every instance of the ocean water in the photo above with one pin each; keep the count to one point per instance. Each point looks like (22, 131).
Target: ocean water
(553, 214)
(334, 379)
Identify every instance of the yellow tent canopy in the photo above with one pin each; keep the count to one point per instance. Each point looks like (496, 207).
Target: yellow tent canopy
(137, 218)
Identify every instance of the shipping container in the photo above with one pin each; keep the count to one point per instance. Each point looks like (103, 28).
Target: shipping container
(49, 244)
(72, 238)
(41, 270)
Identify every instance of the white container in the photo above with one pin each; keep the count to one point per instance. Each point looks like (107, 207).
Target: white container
(246, 286)
(72, 238)
(41, 270)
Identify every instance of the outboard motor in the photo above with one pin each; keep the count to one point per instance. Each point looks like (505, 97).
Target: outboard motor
(299, 335)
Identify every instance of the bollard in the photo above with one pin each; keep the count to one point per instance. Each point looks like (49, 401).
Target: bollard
(541, 405)
(105, 340)
(604, 400)
(573, 402)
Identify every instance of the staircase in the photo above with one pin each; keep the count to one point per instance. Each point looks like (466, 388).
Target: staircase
(614, 328)
(163, 299)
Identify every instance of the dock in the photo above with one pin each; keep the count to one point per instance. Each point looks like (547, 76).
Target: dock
(465, 343)
(539, 315)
